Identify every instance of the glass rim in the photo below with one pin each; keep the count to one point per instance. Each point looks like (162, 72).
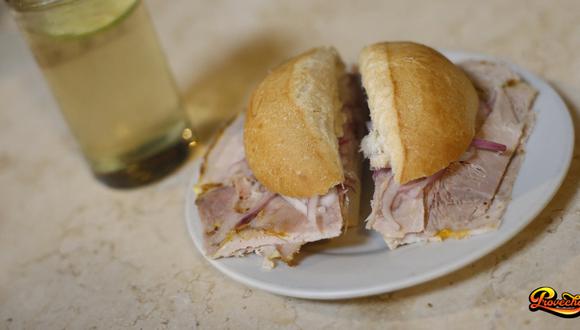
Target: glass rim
(34, 5)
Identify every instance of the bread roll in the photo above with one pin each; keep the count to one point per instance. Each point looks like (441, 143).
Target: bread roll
(422, 107)
(293, 121)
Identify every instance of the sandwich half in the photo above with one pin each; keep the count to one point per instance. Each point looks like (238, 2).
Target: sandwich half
(444, 142)
(286, 172)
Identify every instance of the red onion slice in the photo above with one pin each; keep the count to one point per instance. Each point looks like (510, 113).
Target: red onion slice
(253, 212)
(488, 145)
(343, 140)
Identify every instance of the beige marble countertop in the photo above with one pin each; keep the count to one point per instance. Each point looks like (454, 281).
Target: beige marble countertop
(75, 254)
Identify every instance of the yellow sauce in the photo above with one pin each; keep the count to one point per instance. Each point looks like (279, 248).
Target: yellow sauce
(448, 233)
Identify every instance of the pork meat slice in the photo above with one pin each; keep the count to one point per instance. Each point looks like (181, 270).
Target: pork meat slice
(470, 196)
(230, 202)
(489, 77)
(467, 188)
(460, 201)
(240, 216)
(283, 252)
(277, 225)
(396, 211)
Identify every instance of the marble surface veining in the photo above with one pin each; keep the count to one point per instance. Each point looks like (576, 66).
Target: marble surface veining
(77, 255)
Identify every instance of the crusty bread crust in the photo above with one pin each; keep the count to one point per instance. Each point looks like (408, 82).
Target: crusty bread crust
(293, 121)
(421, 103)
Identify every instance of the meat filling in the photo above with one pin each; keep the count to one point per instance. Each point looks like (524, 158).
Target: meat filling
(241, 216)
(462, 199)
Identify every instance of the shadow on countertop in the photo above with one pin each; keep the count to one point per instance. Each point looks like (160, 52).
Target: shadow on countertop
(224, 89)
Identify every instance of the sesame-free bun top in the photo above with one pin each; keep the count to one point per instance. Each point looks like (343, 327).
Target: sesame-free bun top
(422, 107)
(293, 123)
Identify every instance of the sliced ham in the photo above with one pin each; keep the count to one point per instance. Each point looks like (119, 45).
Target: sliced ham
(467, 197)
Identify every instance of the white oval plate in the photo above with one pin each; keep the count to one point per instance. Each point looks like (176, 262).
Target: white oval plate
(359, 264)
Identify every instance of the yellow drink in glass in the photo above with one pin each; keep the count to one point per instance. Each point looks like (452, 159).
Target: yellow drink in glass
(106, 69)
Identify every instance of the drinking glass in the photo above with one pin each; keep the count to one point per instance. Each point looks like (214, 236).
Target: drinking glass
(105, 67)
